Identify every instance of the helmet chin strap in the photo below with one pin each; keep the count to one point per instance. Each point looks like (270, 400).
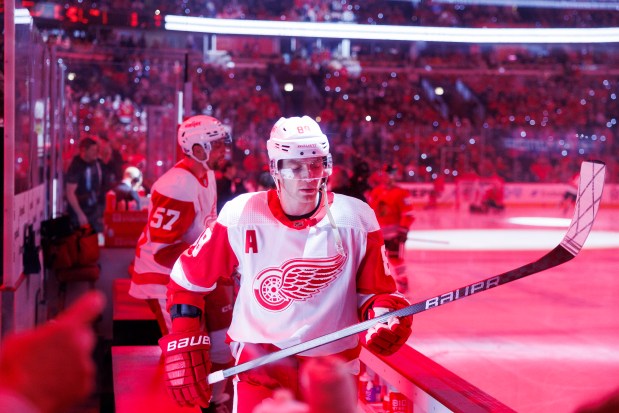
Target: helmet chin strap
(202, 162)
(339, 246)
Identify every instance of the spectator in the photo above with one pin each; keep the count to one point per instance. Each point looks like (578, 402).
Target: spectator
(49, 369)
(84, 186)
(111, 163)
(228, 185)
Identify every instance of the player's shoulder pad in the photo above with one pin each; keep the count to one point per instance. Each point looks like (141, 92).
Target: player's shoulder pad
(247, 208)
(177, 183)
(349, 211)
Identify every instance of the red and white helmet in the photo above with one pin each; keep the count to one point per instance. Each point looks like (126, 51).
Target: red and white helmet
(297, 138)
(201, 130)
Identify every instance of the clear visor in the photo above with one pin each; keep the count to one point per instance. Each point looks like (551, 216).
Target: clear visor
(310, 168)
(217, 144)
(225, 141)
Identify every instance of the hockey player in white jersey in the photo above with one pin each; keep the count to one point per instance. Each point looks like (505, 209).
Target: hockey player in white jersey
(310, 262)
(182, 203)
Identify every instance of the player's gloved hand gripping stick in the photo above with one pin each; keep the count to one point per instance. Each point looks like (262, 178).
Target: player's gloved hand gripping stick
(587, 204)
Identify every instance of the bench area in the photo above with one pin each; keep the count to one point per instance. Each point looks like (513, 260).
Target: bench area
(136, 368)
(138, 384)
(133, 323)
(138, 372)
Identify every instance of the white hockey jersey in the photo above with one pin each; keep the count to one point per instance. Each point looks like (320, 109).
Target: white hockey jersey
(294, 285)
(181, 206)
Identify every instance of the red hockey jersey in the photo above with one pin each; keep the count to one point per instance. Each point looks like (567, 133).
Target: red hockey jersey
(393, 205)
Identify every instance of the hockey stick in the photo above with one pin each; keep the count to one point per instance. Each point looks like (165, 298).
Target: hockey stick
(587, 204)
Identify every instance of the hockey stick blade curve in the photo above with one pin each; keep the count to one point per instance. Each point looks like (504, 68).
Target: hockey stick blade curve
(588, 199)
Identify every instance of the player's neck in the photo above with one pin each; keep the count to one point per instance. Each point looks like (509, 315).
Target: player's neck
(195, 167)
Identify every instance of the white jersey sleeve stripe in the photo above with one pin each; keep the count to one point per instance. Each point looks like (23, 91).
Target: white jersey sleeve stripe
(178, 276)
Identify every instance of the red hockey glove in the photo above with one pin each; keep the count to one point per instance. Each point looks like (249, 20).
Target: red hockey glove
(402, 236)
(187, 364)
(387, 338)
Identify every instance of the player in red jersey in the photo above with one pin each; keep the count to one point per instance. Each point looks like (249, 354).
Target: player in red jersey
(311, 262)
(183, 202)
(570, 194)
(393, 206)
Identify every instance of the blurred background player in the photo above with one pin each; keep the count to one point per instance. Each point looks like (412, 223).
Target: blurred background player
(229, 184)
(570, 194)
(311, 262)
(490, 193)
(182, 204)
(393, 206)
(129, 188)
(339, 181)
(265, 182)
(359, 181)
(438, 187)
(493, 199)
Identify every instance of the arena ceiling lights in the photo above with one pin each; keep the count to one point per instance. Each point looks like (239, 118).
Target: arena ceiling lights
(546, 4)
(389, 32)
(22, 16)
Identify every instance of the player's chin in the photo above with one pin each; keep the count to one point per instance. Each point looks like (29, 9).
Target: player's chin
(307, 192)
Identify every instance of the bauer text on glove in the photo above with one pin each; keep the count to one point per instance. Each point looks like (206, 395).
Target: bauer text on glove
(186, 366)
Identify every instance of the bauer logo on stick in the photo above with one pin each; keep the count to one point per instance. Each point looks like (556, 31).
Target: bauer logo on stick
(462, 292)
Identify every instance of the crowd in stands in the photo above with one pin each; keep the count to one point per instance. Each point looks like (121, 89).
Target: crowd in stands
(502, 107)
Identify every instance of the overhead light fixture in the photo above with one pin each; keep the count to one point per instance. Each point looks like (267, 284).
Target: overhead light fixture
(545, 4)
(22, 16)
(390, 32)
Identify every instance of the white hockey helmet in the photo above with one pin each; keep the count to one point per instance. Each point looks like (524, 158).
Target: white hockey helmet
(201, 130)
(297, 138)
(133, 174)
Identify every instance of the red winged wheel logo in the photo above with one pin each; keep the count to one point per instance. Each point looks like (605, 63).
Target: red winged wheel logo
(298, 279)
